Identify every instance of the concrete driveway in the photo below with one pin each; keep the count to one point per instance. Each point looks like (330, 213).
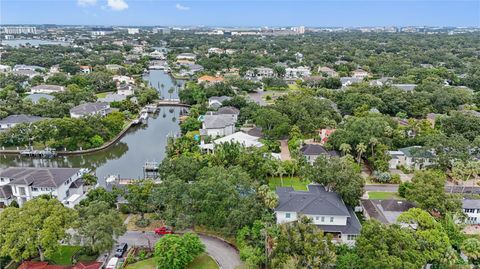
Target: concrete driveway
(225, 255)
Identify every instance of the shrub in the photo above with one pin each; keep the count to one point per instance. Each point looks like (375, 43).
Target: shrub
(403, 187)
(142, 223)
(124, 209)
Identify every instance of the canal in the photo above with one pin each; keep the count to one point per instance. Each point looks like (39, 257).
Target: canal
(127, 156)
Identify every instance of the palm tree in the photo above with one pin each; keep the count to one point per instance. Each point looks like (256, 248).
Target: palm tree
(360, 148)
(280, 172)
(345, 148)
(373, 142)
(471, 248)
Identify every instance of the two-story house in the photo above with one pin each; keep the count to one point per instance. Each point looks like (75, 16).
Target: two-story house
(65, 184)
(218, 125)
(414, 157)
(326, 209)
(312, 151)
(90, 109)
(471, 208)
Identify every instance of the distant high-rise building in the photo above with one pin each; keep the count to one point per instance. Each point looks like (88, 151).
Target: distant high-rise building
(19, 30)
(164, 31)
(301, 29)
(132, 31)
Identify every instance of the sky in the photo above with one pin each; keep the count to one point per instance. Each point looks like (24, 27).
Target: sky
(314, 13)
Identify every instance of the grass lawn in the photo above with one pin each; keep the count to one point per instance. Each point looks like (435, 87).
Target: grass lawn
(295, 182)
(203, 262)
(153, 223)
(64, 254)
(293, 86)
(102, 94)
(145, 264)
(383, 195)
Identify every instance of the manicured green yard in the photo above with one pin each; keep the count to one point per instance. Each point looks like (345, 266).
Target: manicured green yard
(145, 264)
(383, 195)
(295, 182)
(203, 262)
(64, 255)
(102, 94)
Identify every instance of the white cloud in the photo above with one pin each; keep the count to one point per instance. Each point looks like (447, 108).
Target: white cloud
(85, 3)
(117, 4)
(181, 7)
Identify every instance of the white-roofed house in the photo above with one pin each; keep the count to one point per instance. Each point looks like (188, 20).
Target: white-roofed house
(241, 138)
(47, 89)
(218, 125)
(471, 207)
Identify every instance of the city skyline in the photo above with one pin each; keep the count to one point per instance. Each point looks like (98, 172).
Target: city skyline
(251, 13)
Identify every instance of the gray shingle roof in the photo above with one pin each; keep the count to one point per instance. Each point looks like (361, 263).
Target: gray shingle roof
(217, 121)
(35, 98)
(88, 108)
(470, 203)
(316, 201)
(405, 87)
(38, 177)
(230, 110)
(48, 87)
(5, 192)
(20, 119)
(315, 149)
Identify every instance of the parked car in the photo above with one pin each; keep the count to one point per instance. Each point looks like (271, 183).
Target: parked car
(112, 263)
(121, 249)
(163, 230)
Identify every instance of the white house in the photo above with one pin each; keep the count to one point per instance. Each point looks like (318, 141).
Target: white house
(241, 138)
(414, 157)
(326, 209)
(216, 51)
(47, 89)
(216, 102)
(360, 74)
(187, 56)
(471, 207)
(229, 110)
(328, 71)
(90, 109)
(260, 73)
(218, 125)
(298, 72)
(30, 182)
(5, 68)
(126, 90)
(123, 80)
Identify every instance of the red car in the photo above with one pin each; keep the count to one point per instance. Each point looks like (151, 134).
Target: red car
(163, 230)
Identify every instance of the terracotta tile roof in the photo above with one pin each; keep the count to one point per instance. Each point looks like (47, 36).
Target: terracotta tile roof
(210, 79)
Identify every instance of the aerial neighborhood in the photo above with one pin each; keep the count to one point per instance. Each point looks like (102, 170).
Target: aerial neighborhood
(217, 147)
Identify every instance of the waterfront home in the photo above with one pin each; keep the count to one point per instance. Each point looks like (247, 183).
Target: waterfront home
(36, 97)
(47, 89)
(126, 90)
(189, 69)
(186, 57)
(217, 125)
(216, 102)
(123, 80)
(65, 184)
(209, 80)
(12, 120)
(326, 209)
(471, 208)
(414, 157)
(241, 138)
(112, 97)
(312, 151)
(90, 109)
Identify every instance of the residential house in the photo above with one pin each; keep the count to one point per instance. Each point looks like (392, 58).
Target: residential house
(27, 183)
(360, 74)
(47, 89)
(6, 195)
(312, 151)
(230, 51)
(112, 97)
(405, 87)
(241, 138)
(5, 68)
(20, 67)
(347, 81)
(471, 207)
(259, 73)
(324, 134)
(123, 80)
(36, 97)
(29, 73)
(414, 157)
(90, 109)
(85, 69)
(216, 51)
(298, 72)
(327, 71)
(189, 69)
(326, 209)
(229, 110)
(113, 67)
(385, 211)
(209, 80)
(126, 90)
(46, 265)
(217, 125)
(216, 102)
(187, 57)
(12, 120)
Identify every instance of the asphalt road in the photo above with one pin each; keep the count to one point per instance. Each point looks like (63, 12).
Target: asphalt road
(394, 188)
(226, 256)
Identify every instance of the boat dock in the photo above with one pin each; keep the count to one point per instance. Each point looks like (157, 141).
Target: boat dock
(46, 153)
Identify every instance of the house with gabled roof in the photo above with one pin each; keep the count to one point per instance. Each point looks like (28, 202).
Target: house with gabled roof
(312, 151)
(326, 209)
(30, 182)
